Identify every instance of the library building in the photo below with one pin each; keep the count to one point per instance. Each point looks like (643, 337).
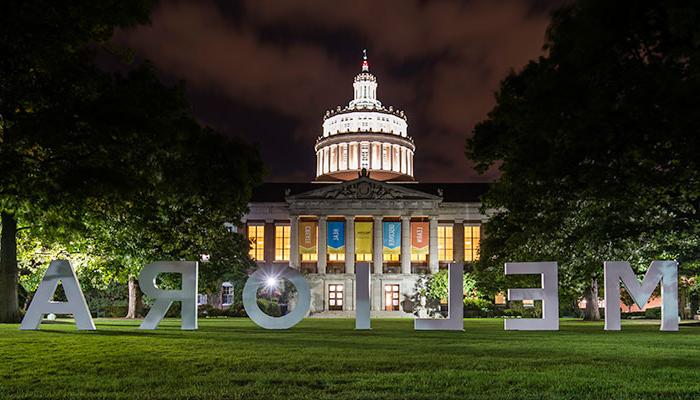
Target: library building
(364, 206)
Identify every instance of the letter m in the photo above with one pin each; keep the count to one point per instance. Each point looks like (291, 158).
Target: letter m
(664, 272)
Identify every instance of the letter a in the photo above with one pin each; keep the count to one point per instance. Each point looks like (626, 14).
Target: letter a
(58, 271)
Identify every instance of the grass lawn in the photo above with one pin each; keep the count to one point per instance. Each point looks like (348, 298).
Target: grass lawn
(327, 359)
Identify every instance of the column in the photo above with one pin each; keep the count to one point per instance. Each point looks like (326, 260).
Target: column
(269, 250)
(405, 245)
(391, 158)
(349, 244)
(381, 155)
(377, 255)
(294, 241)
(349, 294)
(458, 241)
(322, 245)
(433, 256)
(369, 156)
(376, 287)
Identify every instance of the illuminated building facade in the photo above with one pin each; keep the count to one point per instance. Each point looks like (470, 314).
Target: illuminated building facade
(365, 206)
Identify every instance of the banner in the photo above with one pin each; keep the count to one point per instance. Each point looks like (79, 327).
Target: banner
(336, 237)
(392, 237)
(420, 238)
(363, 237)
(307, 237)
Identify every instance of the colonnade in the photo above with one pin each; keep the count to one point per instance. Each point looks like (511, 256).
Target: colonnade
(377, 243)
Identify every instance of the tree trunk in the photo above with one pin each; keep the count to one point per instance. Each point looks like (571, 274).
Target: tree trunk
(9, 308)
(592, 313)
(135, 299)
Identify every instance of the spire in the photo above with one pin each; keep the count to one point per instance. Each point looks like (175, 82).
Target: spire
(365, 64)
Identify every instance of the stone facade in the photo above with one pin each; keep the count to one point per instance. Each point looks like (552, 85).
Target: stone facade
(365, 174)
(370, 200)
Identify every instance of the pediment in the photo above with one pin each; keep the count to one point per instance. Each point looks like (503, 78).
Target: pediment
(363, 188)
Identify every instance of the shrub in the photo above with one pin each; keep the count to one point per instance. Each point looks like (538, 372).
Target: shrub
(205, 310)
(174, 310)
(475, 303)
(633, 315)
(271, 308)
(436, 285)
(236, 310)
(509, 312)
(653, 313)
(114, 311)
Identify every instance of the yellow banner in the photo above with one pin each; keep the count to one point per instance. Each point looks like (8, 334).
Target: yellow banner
(363, 237)
(307, 237)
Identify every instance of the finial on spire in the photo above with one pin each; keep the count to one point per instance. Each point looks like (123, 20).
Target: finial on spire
(365, 64)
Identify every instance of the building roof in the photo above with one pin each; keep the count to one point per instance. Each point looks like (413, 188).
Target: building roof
(468, 192)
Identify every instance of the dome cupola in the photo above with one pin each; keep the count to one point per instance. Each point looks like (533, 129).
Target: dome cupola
(365, 135)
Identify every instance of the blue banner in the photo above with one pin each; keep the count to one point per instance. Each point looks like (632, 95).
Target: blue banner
(392, 237)
(336, 237)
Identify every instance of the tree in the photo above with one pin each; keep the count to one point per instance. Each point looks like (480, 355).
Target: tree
(115, 161)
(48, 155)
(200, 182)
(437, 286)
(594, 144)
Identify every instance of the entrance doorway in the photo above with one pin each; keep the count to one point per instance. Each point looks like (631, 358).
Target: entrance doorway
(335, 297)
(391, 297)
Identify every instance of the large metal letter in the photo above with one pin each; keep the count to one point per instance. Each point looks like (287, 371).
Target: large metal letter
(548, 293)
(187, 295)
(664, 271)
(58, 271)
(455, 305)
(262, 277)
(362, 320)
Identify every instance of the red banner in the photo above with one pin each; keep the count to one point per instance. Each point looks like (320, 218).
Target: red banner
(420, 237)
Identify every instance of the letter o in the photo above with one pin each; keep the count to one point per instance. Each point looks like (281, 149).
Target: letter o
(258, 279)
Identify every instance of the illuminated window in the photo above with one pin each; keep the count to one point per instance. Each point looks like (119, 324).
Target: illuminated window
(364, 155)
(336, 257)
(363, 257)
(415, 257)
(500, 298)
(335, 297)
(309, 257)
(226, 294)
(472, 236)
(445, 243)
(391, 257)
(256, 236)
(391, 297)
(282, 242)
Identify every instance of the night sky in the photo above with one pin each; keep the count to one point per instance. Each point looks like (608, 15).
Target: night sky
(267, 71)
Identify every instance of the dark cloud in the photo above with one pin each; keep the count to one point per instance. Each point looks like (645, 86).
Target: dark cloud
(267, 70)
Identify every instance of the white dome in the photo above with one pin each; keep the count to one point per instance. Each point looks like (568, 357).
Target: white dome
(365, 135)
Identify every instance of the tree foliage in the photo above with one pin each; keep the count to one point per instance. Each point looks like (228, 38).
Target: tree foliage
(596, 144)
(112, 166)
